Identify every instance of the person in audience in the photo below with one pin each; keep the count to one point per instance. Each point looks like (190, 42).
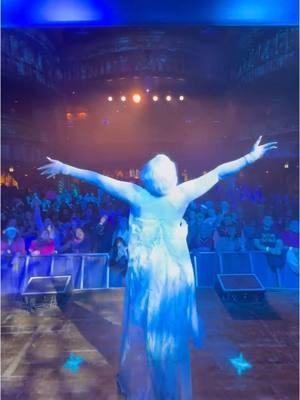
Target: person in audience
(118, 256)
(234, 219)
(54, 233)
(12, 244)
(67, 233)
(192, 224)
(43, 245)
(269, 241)
(211, 218)
(290, 239)
(223, 211)
(47, 224)
(28, 228)
(104, 232)
(203, 240)
(78, 242)
(249, 233)
(222, 226)
(12, 247)
(122, 230)
(230, 240)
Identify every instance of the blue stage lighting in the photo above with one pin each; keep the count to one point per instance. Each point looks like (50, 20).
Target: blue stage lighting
(68, 11)
(21, 13)
(240, 364)
(257, 12)
(73, 363)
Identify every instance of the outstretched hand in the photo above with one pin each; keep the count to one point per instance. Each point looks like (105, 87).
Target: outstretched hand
(55, 167)
(259, 150)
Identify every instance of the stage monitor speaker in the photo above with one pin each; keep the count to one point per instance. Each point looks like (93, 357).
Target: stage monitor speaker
(240, 287)
(47, 291)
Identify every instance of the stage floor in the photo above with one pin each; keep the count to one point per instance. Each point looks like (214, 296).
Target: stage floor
(35, 349)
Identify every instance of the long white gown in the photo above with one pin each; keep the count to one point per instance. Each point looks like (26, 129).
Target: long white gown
(160, 314)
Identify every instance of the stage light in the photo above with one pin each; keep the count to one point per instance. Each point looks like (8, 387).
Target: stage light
(136, 98)
(123, 98)
(168, 98)
(286, 165)
(82, 115)
(181, 98)
(110, 98)
(69, 116)
(155, 98)
(147, 90)
(11, 169)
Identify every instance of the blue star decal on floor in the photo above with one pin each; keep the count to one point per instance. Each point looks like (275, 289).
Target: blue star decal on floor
(73, 363)
(240, 364)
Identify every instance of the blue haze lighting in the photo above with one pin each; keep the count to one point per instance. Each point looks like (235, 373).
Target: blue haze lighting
(21, 13)
(73, 363)
(67, 11)
(257, 12)
(240, 364)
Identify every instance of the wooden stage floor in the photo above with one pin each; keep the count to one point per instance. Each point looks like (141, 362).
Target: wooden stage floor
(35, 348)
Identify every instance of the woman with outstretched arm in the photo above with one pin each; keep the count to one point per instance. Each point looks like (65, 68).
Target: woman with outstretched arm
(160, 313)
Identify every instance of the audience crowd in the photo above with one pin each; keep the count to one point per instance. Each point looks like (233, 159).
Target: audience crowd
(72, 220)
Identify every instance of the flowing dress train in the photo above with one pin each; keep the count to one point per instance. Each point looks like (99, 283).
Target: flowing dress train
(160, 314)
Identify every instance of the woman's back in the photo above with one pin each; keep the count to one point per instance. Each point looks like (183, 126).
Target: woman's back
(170, 207)
(160, 313)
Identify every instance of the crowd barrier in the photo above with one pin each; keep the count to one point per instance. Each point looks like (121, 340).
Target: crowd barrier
(92, 271)
(208, 264)
(88, 271)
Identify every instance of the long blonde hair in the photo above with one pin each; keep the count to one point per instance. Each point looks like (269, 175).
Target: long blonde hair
(159, 175)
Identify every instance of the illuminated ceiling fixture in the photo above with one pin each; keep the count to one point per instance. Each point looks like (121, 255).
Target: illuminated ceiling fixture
(123, 98)
(181, 98)
(286, 165)
(136, 98)
(82, 115)
(168, 98)
(11, 169)
(155, 98)
(147, 90)
(110, 98)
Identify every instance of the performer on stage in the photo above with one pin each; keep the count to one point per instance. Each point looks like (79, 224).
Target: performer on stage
(160, 313)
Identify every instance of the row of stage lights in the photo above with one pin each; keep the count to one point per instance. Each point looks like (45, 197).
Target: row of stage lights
(137, 98)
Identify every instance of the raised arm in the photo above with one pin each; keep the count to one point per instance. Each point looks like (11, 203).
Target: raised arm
(199, 186)
(126, 191)
(37, 216)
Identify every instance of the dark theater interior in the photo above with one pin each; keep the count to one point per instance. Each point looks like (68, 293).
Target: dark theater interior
(170, 279)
